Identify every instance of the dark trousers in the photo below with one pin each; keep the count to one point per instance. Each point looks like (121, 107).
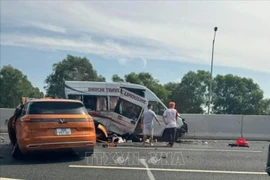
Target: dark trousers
(171, 135)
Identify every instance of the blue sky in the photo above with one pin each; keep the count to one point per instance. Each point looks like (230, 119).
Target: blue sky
(166, 39)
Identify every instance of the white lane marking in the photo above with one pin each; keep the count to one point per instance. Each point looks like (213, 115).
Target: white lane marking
(149, 173)
(169, 170)
(182, 149)
(8, 178)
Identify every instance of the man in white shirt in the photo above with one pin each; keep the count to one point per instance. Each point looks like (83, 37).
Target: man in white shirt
(147, 124)
(170, 119)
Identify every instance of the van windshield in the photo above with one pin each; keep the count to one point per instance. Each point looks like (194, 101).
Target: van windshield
(56, 108)
(158, 108)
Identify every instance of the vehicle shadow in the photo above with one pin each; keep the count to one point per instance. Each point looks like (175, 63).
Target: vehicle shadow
(40, 158)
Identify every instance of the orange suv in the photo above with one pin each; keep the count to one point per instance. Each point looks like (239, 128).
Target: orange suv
(51, 124)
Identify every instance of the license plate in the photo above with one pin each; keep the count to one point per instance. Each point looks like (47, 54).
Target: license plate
(63, 132)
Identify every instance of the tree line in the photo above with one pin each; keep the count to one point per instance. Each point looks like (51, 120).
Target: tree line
(231, 94)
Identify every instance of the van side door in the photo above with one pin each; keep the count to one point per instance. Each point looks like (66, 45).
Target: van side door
(127, 112)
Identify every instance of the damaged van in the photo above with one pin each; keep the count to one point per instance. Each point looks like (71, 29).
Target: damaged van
(118, 107)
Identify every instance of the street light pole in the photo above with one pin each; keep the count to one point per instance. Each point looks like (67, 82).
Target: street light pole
(212, 60)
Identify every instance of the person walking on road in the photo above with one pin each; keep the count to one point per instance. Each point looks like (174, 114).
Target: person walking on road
(147, 124)
(170, 119)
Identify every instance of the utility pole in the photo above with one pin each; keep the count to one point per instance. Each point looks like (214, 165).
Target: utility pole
(212, 61)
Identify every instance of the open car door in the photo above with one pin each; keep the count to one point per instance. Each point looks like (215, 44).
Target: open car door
(127, 112)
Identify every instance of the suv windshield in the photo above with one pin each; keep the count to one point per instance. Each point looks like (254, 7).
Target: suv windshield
(56, 108)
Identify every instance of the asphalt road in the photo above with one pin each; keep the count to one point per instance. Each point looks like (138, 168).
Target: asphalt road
(214, 160)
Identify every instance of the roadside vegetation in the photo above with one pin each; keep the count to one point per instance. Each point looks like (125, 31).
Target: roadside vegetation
(231, 94)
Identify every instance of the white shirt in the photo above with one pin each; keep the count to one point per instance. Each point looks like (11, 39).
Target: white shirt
(170, 117)
(148, 118)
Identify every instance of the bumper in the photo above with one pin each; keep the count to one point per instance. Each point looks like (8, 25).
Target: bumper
(31, 146)
(59, 145)
(183, 129)
(81, 151)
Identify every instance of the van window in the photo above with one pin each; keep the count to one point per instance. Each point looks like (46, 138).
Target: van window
(75, 97)
(113, 102)
(128, 109)
(96, 103)
(158, 108)
(90, 102)
(102, 103)
(56, 108)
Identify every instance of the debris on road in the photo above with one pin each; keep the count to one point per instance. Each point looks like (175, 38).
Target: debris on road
(111, 141)
(205, 143)
(2, 140)
(105, 145)
(241, 142)
(120, 140)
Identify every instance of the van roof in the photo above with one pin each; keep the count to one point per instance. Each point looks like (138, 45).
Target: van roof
(127, 84)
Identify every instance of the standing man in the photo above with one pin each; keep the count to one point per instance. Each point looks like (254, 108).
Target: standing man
(170, 119)
(147, 124)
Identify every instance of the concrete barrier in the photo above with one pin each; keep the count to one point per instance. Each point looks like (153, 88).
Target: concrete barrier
(5, 114)
(213, 126)
(256, 127)
(204, 126)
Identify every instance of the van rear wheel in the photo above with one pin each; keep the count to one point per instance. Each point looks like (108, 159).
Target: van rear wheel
(16, 152)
